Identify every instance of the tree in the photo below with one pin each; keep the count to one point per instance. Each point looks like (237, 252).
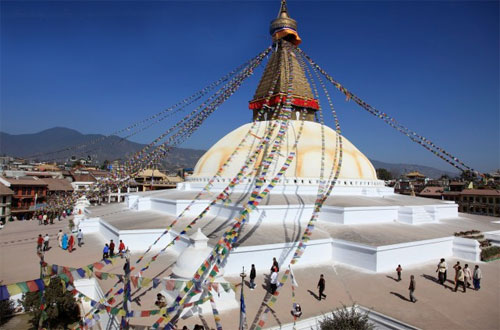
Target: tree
(384, 174)
(60, 306)
(6, 310)
(346, 319)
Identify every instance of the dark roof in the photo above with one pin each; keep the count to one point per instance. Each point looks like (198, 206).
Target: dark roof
(26, 181)
(58, 184)
(4, 190)
(482, 192)
(431, 191)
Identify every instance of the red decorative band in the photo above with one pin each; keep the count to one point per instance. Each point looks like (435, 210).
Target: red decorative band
(297, 101)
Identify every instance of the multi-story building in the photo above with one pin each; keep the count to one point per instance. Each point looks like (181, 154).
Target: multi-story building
(29, 194)
(476, 201)
(5, 202)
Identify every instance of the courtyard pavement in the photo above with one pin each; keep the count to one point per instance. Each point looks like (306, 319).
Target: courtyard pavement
(437, 307)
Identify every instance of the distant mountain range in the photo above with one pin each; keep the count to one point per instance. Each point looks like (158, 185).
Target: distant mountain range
(44, 144)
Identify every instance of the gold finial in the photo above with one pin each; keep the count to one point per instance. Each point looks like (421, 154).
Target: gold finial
(284, 27)
(283, 10)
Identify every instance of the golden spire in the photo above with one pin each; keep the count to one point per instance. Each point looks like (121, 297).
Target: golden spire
(273, 86)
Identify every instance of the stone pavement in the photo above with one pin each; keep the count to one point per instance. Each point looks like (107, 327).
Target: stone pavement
(437, 307)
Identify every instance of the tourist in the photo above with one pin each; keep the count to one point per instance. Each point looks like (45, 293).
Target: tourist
(121, 248)
(111, 249)
(45, 219)
(321, 287)
(71, 242)
(105, 251)
(398, 271)
(467, 275)
(160, 301)
(46, 242)
(459, 278)
(456, 267)
(275, 265)
(59, 238)
(296, 311)
(274, 280)
(40, 218)
(441, 270)
(39, 243)
(252, 277)
(412, 289)
(476, 278)
(79, 237)
(65, 241)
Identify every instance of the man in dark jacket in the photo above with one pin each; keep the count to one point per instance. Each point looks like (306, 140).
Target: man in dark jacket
(412, 289)
(321, 287)
(252, 277)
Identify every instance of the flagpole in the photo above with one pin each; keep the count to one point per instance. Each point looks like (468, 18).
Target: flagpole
(242, 301)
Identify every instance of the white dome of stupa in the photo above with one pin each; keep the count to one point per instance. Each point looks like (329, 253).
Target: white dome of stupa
(307, 162)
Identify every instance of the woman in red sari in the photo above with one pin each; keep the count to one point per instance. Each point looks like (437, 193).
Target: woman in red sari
(71, 242)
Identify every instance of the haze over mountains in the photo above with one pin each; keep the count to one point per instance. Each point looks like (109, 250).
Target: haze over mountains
(100, 148)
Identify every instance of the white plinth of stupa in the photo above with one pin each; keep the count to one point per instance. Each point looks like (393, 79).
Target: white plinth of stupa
(186, 266)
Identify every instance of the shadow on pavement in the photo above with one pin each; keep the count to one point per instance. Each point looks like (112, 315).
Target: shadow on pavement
(400, 296)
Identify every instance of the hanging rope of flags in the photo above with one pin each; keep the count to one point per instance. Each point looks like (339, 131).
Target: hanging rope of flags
(183, 103)
(230, 237)
(224, 195)
(121, 177)
(412, 135)
(317, 209)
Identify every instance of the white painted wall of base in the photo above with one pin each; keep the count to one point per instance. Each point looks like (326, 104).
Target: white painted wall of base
(466, 248)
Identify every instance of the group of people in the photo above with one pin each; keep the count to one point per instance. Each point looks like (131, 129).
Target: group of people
(463, 276)
(65, 241)
(42, 243)
(109, 249)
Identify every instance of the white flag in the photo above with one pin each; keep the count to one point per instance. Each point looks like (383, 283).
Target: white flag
(294, 282)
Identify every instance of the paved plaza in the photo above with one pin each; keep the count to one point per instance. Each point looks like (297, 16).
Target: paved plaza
(437, 307)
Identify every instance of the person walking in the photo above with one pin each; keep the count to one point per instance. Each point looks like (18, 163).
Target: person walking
(105, 252)
(412, 288)
(59, 238)
(459, 278)
(274, 281)
(275, 265)
(46, 242)
(121, 248)
(456, 267)
(39, 243)
(476, 277)
(111, 249)
(79, 237)
(467, 276)
(321, 286)
(40, 218)
(398, 271)
(252, 277)
(71, 242)
(45, 219)
(65, 241)
(441, 270)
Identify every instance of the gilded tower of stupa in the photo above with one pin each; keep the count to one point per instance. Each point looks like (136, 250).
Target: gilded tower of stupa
(275, 79)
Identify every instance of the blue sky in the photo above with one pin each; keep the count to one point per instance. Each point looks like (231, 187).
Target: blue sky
(99, 66)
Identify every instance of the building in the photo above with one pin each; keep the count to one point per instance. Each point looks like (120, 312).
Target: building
(59, 187)
(29, 194)
(477, 201)
(5, 202)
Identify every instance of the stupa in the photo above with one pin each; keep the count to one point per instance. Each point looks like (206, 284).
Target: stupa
(363, 223)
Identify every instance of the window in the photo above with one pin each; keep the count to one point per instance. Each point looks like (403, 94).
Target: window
(24, 191)
(490, 200)
(28, 191)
